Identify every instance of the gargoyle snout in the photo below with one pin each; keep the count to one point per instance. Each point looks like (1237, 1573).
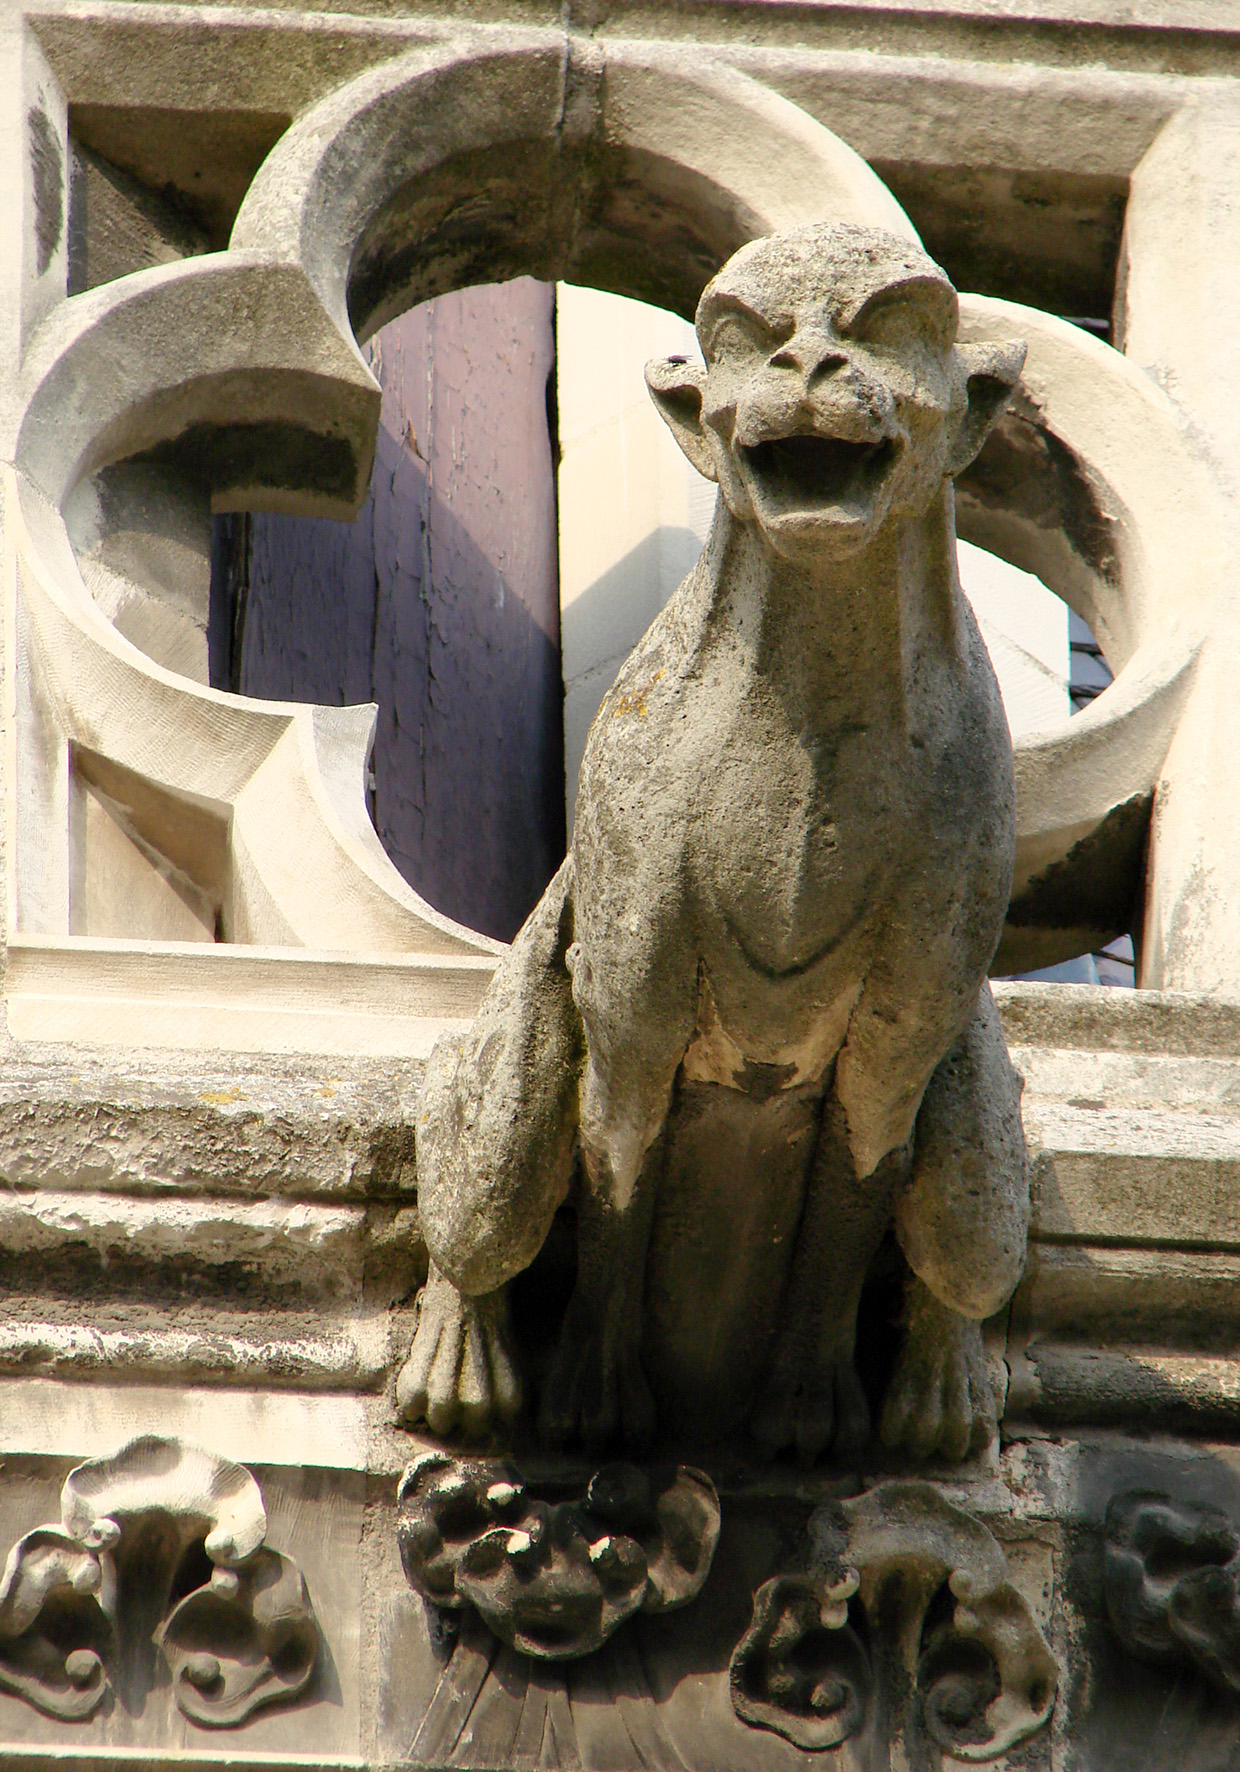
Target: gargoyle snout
(814, 353)
(814, 384)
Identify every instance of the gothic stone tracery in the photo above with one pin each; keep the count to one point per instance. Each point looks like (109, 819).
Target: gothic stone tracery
(210, 1209)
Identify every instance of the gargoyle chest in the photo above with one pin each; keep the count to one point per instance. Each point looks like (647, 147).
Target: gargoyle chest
(793, 839)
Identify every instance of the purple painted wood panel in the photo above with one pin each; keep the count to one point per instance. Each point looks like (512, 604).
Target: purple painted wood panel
(440, 602)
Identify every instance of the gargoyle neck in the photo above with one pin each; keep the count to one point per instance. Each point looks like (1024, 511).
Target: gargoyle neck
(868, 629)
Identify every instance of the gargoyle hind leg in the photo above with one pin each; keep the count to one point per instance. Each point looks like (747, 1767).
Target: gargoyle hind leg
(811, 1396)
(496, 1133)
(596, 1390)
(962, 1222)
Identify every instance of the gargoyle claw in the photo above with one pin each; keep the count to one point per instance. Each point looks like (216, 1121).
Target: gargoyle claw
(939, 1401)
(460, 1375)
(827, 1411)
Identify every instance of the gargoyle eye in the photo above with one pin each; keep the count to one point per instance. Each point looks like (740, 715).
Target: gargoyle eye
(740, 329)
(918, 308)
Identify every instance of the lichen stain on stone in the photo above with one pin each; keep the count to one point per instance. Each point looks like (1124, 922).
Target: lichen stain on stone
(629, 704)
(636, 703)
(47, 171)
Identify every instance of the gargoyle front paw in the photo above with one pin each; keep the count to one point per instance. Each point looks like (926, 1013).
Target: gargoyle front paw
(460, 1375)
(811, 1411)
(939, 1401)
(596, 1392)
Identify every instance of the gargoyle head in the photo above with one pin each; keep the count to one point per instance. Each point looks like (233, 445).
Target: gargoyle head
(833, 393)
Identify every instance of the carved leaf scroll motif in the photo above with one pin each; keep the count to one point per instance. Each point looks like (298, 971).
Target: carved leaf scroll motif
(246, 1638)
(1171, 1579)
(57, 1605)
(905, 1607)
(138, 1531)
(554, 1580)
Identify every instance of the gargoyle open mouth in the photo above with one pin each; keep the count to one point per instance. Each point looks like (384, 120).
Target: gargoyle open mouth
(813, 471)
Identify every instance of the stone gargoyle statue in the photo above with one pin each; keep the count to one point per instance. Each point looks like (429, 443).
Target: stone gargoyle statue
(747, 1029)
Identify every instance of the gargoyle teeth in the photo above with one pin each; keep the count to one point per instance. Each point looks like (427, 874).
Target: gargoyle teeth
(815, 470)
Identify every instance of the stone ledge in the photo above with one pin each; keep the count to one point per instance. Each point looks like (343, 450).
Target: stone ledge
(137, 1759)
(242, 1223)
(248, 1256)
(149, 1121)
(307, 1251)
(223, 996)
(322, 1357)
(1101, 1335)
(1114, 1020)
(1074, 1385)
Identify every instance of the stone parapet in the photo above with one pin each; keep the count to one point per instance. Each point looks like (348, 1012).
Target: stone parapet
(1128, 1301)
(221, 1548)
(184, 1218)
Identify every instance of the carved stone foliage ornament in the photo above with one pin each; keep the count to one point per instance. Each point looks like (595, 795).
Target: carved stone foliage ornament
(1171, 1577)
(903, 1623)
(555, 1580)
(160, 1546)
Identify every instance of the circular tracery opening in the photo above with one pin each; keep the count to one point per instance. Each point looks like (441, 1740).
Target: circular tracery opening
(642, 177)
(626, 222)
(509, 412)
(438, 602)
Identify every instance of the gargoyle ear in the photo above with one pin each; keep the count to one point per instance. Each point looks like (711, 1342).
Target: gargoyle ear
(992, 372)
(676, 388)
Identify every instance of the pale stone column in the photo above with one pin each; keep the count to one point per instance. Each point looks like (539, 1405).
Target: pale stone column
(1178, 303)
(12, 148)
(34, 228)
(1178, 316)
(34, 198)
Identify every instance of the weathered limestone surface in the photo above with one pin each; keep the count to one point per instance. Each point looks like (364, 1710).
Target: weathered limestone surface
(251, 1222)
(1127, 1304)
(150, 1175)
(173, 1173)
(792, 850)
(215, 1247)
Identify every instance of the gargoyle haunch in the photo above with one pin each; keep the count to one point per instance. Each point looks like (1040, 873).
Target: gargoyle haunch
(748, 1028)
